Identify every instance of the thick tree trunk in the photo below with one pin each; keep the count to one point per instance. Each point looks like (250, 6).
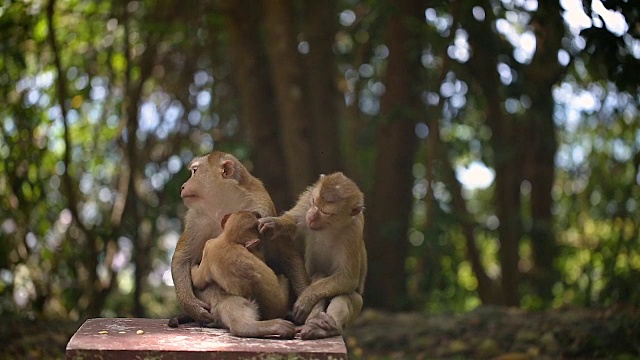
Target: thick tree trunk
(288, 77)
(320, 30)
(388, 218)
(508, 211)
(506, 146)
(541, 75)
(542, 178)
(257, 106)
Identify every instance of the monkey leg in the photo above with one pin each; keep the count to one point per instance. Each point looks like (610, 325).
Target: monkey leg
(301, 313)
(210, 295)
(346, 309)
(342, 310)
(319, 307)
(272, 297)
(241, 317)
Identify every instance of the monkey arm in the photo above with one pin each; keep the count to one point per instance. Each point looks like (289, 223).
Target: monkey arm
(264, 207)
(181, 274)
(199, 276)
(291, 221)
(340, 283)
(298, 212)
(293, 266)
(281, 226)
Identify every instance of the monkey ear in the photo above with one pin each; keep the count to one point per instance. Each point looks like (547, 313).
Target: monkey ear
(228, 169)
(357, 210)
(224, 220)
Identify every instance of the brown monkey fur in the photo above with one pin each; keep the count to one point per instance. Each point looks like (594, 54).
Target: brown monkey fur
(219, 185)
(227, 261)
(328, 218)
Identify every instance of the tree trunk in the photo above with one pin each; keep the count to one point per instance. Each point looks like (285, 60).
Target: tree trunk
(89, 303)
(133, 210)
(257, 110)
(288, 76)
(488, 291)
(323, 97)
(506, 147)
(541, 75)
(388, 218)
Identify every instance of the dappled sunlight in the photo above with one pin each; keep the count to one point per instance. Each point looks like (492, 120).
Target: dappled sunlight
(575, 16)
(475, 176)
(615, 22)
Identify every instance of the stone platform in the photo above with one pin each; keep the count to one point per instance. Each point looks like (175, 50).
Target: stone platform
(132, 338)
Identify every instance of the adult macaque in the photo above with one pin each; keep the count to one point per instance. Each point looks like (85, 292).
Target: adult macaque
(226, 261)
(220, 185)
(328, 217)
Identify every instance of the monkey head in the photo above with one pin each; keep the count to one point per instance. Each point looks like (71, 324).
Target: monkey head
(242, 227)
(214, 177)
(335, 199)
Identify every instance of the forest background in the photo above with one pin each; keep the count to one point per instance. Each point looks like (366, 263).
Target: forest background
(497, 143)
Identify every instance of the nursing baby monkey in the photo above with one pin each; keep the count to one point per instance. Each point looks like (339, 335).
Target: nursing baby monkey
(328, 220)
(228, 262)
(220, 185)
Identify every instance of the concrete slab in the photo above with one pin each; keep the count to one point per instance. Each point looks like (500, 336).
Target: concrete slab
(134, 338)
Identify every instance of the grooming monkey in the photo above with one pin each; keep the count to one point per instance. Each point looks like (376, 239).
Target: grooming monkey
(220, 185)
(226, 261)
(328, 218)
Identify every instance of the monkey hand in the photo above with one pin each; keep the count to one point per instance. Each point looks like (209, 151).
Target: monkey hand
(267, 224)
(302, 308)
(321, 326)
(198, 310)
(284, 329)
(276, 225)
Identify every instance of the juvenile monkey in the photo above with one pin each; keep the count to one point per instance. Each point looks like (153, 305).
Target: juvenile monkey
(328, 218)
(226, 261)
(219, 185)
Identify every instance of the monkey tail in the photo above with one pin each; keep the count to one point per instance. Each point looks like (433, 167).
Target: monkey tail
(175, 321)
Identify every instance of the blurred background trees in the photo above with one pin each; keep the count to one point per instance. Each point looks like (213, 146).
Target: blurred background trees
(498, 142)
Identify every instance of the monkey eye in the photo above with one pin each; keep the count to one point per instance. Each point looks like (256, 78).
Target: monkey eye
(325, 212)
(313, 203)
(193, 170)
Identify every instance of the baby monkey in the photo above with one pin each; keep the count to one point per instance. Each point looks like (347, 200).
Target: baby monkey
(228, 261)
(328, 220)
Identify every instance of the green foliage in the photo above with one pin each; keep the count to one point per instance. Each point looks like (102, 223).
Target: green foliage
(174, 60)
(601, 227)
(54, 265)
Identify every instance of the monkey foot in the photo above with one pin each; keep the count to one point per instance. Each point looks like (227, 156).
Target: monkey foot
(280, 328)
(321, 326)
(284, 329)
(211, 325)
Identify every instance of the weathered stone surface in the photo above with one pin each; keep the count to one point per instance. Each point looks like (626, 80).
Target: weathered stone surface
(127, 338)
